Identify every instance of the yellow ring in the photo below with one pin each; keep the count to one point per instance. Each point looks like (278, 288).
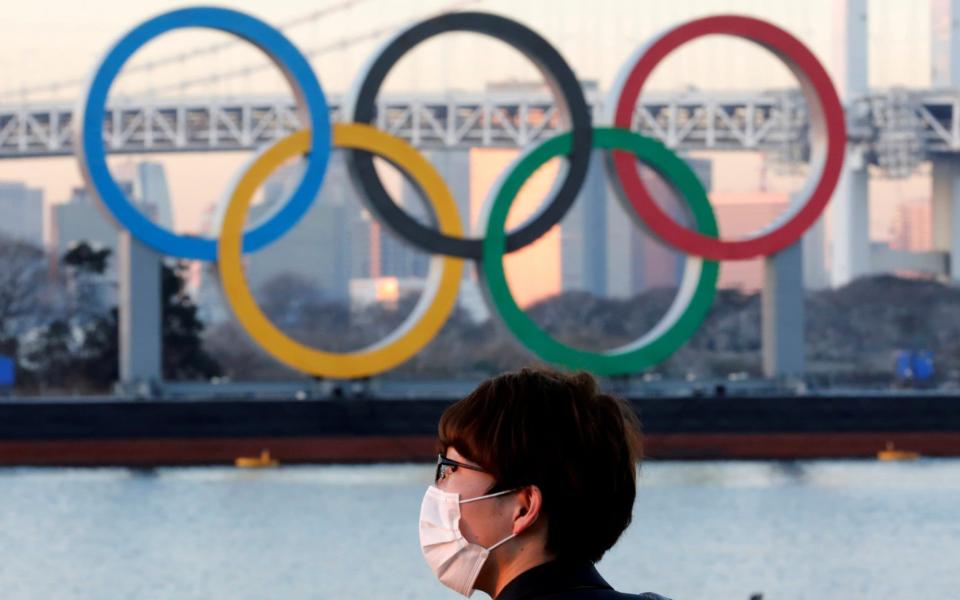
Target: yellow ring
(435, 303)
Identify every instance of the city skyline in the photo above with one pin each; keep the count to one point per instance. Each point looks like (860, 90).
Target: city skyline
(737, 175)
(714, 63)
(535, 272)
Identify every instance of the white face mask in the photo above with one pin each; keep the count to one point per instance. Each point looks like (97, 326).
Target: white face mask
(455, 561)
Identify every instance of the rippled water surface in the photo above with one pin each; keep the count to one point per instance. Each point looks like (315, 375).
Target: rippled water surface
(804, 530)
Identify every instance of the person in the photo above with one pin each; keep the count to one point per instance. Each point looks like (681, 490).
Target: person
(535, 481)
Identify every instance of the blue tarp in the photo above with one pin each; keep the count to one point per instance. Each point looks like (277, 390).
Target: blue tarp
(915, 365)
(6, 372)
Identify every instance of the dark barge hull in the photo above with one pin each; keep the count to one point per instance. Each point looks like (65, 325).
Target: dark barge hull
(145, 433)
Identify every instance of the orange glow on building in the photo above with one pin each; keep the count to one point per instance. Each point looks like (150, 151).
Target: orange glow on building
(534, 271)
(912, 228)
(740, 215)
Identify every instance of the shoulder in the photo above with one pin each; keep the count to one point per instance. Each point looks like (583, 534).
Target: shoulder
(602, 595)
(566, 580)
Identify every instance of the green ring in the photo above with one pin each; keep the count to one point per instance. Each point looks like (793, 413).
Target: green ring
(697, 290)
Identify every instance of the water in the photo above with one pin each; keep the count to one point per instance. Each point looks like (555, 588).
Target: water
(803, 530)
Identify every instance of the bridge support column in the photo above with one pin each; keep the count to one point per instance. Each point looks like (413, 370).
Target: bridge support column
(945, 196)
(850, 207)
(850, 214)
(782, 313)
(815, 276)
(945, 43)
(140, 315)
(945, 211)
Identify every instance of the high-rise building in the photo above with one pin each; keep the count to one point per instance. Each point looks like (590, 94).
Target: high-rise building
(584, 234)
(454, 167)
(912, 228)
(79, 219)
(320, 248)
(318, 251)
(338, 246)
(655, 264)
(741, 215)
(399, 258)
(21, 212)
(605, 251)
(153, 194)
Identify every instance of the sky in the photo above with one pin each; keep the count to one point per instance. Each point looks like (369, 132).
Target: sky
(48, 41)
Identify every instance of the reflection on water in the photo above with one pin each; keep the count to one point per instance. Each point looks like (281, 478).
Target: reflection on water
(844, 529)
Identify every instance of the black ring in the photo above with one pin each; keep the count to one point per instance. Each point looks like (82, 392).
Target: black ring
(570, 100)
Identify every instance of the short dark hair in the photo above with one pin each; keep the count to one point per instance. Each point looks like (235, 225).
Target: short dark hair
(559, 432)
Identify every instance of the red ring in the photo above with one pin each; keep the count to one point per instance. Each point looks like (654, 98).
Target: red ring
(826, 118)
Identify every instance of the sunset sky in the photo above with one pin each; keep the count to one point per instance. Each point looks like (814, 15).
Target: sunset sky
(48, 41)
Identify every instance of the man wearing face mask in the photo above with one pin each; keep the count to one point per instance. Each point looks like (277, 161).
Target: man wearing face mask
(535, 481)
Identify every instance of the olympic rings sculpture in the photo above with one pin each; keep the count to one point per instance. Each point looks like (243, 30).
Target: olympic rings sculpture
(448, 244)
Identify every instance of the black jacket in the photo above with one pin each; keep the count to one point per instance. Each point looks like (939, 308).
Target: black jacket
(564, 580)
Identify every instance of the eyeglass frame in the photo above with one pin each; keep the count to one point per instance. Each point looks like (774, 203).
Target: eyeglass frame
(443, 461)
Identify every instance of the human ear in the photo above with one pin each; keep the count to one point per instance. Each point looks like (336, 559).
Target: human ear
(527, 510)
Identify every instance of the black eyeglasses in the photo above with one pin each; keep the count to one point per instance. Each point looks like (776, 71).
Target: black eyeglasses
(443, 462)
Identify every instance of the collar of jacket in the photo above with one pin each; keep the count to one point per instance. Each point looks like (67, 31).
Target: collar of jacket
(552, 577)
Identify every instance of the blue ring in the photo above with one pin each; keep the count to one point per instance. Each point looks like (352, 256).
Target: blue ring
(296, 68)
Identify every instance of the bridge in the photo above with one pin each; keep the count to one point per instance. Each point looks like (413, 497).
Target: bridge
(763, 120)
(894, 129)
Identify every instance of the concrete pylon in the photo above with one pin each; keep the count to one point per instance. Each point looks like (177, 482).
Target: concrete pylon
(815, 275)
(850, 222)
(945, 211)
(140, 315)
(782, 313)
(850, 206)
(945, 196)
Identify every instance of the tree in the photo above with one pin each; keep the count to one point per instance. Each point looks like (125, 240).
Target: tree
(299, 309)
(52, 355)
(77, 349)
(183, 354)
(24, 281)
(81, 350)
(85, 286)
(87, 258)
